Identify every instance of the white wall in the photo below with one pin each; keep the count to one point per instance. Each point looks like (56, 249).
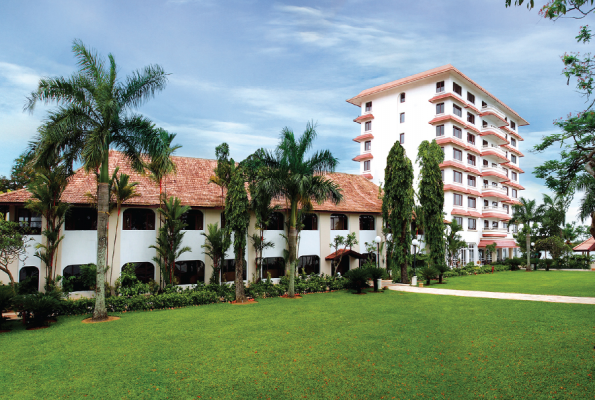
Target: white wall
(194, 240)
(309, 243)
(366, 236)
(135, 248)
(80, 247)
(278, 240)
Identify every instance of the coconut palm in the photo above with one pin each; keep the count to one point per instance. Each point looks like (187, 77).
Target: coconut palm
(122, 190)
(586, 183)
(526, 213)
(300, 180)
(95, 114)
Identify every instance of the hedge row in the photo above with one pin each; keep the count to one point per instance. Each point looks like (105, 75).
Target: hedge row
(175, 297)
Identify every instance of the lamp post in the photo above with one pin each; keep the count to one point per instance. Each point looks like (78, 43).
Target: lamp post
(377, 240)
(415, 244)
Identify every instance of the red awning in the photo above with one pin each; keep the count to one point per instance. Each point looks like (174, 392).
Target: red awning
(500, 243)
(344, 252)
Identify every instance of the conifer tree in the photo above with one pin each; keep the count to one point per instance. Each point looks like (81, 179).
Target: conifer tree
(237, 217)
(397, 207)
(431, 197)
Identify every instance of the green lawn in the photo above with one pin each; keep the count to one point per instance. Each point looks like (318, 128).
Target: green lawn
(564, 283)
(336, 345)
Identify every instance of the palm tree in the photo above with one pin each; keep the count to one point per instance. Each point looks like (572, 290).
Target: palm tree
(586, 183)
(260, 245)
(169, 242)
(289, 174)
(526, 213)
(95, 114)
(553, 214)
(122, 190)
(161, 164)
(216, 244)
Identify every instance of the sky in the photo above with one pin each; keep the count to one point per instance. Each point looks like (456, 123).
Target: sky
(243, 70)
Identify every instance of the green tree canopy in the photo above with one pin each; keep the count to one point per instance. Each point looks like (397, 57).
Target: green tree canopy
(397, 207)
(431, 197)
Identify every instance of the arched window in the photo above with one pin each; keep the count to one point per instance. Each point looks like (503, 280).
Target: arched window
(139, 219)
(276, 222)
(81, 219)
(339, 222)
(190, 272)
(75, 271)
(367, 256)
(310, 264)
(31, 220)
(29, 278)
(310, 222)
(193, 220)
(366, 223)
(274, 266)
(144, 271)
(228, 270)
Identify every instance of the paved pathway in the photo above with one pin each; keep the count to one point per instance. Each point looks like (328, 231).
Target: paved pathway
(492, 295)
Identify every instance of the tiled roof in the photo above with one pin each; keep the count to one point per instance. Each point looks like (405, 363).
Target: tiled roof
(365, 136)
(191, 185)
(344, 252)
(423, 75)
(587, 245)
(500, 243)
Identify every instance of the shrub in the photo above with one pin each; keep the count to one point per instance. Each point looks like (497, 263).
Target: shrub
(128, 284)
(6, 296)
(36, 308)
(357, 278)
(375, 274)
(428, 273)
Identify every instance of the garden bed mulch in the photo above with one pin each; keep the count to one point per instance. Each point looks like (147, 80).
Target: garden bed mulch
(90, 320)
(5, 330)
(286, 296)
(249, 301)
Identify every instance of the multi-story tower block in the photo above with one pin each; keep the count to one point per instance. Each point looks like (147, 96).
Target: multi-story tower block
(479, 135)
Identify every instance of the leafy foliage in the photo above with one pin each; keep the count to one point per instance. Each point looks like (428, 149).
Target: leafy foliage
(95, 113)
(357, 278)
(217, 241)
(526, 214)
(288, 174)
(13, 245)
(431, 197)
(36, 308)
(237, 217)
(169, 240)
(397, 207)
(454, 241)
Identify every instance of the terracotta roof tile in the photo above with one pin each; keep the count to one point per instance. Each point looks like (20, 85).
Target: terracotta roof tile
(191, 185)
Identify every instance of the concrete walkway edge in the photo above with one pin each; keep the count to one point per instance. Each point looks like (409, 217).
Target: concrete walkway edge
(493, 295)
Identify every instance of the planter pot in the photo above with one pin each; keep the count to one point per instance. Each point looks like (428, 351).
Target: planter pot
(421, 284)
(379, 282)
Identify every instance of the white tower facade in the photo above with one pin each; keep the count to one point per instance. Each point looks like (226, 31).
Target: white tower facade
(480, 138)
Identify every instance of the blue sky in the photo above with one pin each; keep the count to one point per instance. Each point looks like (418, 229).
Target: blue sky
(241, 71)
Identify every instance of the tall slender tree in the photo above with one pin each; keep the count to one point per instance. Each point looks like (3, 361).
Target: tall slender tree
(161, 164)
(237, 217)
(431, 198)
(122, 190)
(169, 241)
(46, 191)
(217, 241)
(397, 206)
(95, 113)
(300, 181)
(525, 214)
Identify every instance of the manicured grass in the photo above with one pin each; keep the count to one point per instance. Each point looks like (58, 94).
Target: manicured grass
(336, 345)
(563, 283)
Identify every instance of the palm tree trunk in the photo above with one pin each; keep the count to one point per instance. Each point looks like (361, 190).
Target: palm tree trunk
(292, 248)
(528, 237)
(114, 249)
(100, 312)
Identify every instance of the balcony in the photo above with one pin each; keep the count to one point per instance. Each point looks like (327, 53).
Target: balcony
(362, 118)
(498, 189)
(495, 148)
(493, 115)
(495, 133)
(497, 172)
(364, 137)
(494, 232)
(496, 209)
(363, 157)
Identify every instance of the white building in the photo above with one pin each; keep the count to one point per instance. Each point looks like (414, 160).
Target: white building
(480, 138)
(137, 227)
